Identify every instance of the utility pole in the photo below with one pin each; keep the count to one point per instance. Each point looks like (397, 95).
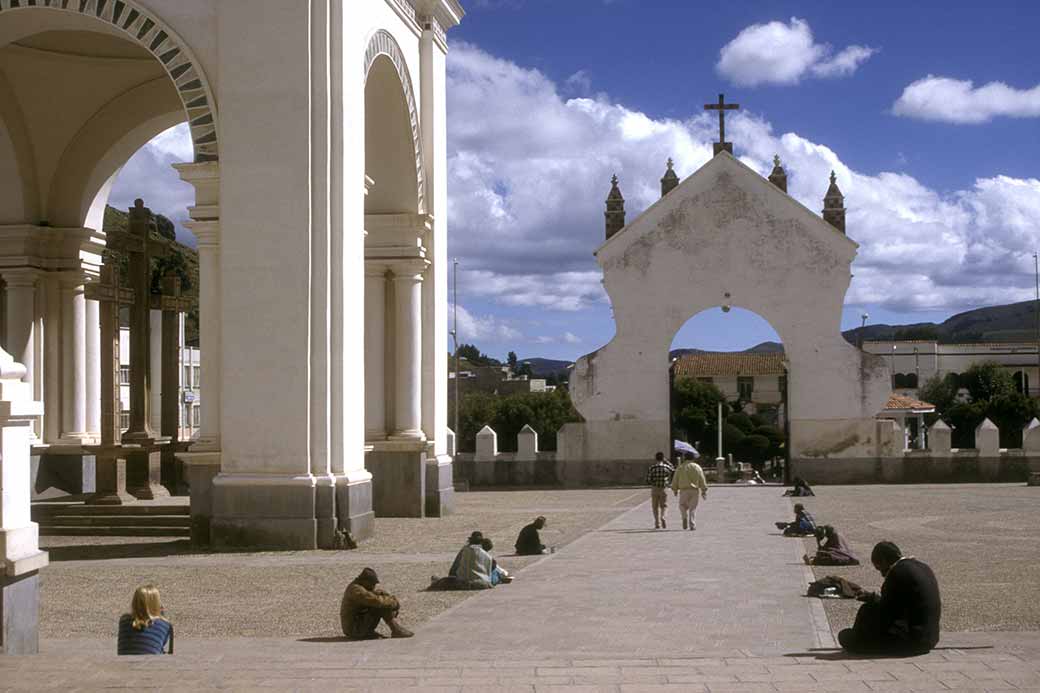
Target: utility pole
(455, 341)
(1036, 273)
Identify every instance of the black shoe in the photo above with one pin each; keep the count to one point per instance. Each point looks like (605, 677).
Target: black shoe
(664, 525)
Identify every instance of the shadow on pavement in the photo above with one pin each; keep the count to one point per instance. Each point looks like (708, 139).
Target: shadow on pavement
(328, 638)
(101, 552)
(831, 654)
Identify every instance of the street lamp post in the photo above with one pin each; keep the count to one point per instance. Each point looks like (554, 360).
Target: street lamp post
(862, 327)
(1036, 273)
(455, 341)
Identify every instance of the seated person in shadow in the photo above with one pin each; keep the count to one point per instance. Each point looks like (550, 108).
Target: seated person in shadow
(800, 488)
(804, 524)
(831, 549)
(529, 542)
(499, 575)
(904, 620)
(472, 569)
(364, 606)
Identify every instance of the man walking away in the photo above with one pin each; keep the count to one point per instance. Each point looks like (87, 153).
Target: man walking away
(658, 477)
(687, 482)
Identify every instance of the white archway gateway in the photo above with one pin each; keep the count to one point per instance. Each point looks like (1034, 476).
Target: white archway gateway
(726, 236)
(281, 219)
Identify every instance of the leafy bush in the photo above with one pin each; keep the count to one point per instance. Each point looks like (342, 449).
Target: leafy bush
(545, 412)
(741, 421)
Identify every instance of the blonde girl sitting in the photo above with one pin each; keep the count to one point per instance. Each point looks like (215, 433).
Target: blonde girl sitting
(145, 630)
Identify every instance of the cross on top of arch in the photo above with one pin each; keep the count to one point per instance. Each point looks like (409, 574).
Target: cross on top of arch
(145, 29)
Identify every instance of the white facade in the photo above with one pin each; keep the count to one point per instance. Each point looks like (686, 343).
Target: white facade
(285, 135)
(726, 237)
(913, 362)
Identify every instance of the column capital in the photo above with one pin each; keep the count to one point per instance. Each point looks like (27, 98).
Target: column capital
(20, 277)
(205, 177)
(411, 269)
(376, 269)
(70, 280)
(206, 231)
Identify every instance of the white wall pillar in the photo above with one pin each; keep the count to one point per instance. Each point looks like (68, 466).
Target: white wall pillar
(375, 346)
(21, 321)
(205, 224)
(408, 279)
(74, 359)
(155, 347)
(93, 366)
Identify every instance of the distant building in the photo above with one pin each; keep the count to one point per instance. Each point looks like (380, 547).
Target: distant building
(492, 380)
(757, 380)
(914, 362)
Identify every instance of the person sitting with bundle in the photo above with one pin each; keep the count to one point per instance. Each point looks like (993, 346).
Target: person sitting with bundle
(803, 526)
(800, 488)
(831, 549)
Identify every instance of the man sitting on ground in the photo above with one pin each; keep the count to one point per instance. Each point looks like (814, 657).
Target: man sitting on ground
(804, 524)
(658, 478)
(831, 549)
(904, 620)
(529, 542)
(364, 606)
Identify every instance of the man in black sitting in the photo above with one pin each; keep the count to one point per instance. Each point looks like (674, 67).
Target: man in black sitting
(904, 620)
(528, 542)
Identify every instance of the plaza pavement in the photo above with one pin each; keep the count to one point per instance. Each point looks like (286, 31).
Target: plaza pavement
(624, 608)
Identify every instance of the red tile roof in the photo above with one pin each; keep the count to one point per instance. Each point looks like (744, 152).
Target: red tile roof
(714, 364)
(897, 402)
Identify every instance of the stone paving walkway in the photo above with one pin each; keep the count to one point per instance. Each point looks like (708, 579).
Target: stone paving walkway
(622, 609)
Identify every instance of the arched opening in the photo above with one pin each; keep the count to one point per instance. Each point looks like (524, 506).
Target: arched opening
(390, 162)
(730, 360)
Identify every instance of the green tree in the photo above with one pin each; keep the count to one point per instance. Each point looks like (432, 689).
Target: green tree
(511, 360)
(986, 380)
(476, 410)
(741, 421)
(523, 369)
(754, 449)
(1010, 412)
(695, 412)
(918, 332)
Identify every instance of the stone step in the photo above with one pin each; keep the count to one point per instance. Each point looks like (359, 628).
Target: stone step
(42, 510)
(67, 531)
(115, 521)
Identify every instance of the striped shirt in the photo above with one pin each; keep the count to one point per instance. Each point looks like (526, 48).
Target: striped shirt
(659, 475)
(151, 639)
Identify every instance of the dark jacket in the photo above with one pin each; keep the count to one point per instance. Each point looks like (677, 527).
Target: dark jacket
(910, 604)
(529, 542)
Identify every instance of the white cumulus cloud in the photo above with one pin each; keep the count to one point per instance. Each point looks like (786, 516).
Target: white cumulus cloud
(484, 328)
(526, 197)
(959, 101)
(778, 53)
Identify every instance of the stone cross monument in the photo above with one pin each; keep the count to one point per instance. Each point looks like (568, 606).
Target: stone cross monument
(722, 107)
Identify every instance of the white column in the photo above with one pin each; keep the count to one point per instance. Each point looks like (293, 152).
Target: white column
(74, 359)
(93, 360)
(408, 350)
(375, 345)
(155, 347)
(208, 235)
(21, 321)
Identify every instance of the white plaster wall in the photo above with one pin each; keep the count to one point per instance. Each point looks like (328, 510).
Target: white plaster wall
(726, 230)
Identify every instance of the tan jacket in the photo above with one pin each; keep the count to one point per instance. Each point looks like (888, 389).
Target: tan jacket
(357, 598)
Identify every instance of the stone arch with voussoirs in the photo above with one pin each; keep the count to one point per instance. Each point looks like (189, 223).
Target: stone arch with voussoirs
(382, 43)
(727, 237)
(144, 28)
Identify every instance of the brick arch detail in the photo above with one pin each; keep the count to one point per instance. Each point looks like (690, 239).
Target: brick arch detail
(142, 27)
(383, 43)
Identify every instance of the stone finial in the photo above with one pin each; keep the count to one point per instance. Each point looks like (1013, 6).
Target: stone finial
(778, 177)
(615, 214)
(987, 439)
(527, 444)
(939, 437)
(1031, 436)
(669, 180)
(449, 442)
(487, 445)
(834, 205)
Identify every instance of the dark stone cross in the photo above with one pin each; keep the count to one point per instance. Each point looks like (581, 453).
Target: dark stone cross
(722, 107)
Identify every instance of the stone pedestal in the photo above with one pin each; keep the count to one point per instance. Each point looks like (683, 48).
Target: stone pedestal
(144, 472)
(440, 486)
(354, 504)
(200, 469)
(20, 612)
(398, 478)
(110, 477)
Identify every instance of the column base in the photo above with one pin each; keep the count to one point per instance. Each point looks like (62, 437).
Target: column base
(288, 512)
(201, 469)
(354, 504)
(440, 486)
(144, 475)
(409, 435)
(398, 478)
(20, 613)
(110, 478)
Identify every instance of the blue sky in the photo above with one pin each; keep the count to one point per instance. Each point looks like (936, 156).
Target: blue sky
(929, 113)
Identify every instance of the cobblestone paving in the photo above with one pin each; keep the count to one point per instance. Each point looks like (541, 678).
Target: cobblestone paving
(621, 609)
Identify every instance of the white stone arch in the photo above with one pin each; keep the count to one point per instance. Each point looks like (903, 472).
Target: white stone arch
(127, 19)
(382, 43)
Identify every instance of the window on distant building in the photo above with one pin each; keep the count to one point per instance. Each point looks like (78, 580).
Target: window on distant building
(187, 377)
(186, 415)
(124, 420)
(196, 416)
(198, 375)
(745, 386)
(124, 375)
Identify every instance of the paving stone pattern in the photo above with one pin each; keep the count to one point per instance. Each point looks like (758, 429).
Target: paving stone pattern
(623, 608)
